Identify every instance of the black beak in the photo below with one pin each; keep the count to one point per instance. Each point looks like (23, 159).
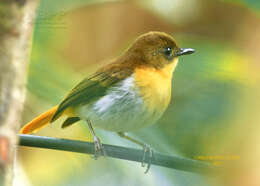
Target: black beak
(184, 51)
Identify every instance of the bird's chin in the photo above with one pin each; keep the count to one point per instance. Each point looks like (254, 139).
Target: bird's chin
(175, 60)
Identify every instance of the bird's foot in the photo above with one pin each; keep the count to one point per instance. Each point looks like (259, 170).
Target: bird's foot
(148, 159)
(99, 149)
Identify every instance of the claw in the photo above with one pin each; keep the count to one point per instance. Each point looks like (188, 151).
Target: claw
(99, 149)
(149, 162)
(145, 147)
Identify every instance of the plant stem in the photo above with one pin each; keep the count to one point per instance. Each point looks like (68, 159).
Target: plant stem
(131, 154)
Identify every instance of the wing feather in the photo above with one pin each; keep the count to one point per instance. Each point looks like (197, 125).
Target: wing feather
(89, 90)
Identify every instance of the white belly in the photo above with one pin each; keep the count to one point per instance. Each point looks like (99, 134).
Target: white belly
(121, 110)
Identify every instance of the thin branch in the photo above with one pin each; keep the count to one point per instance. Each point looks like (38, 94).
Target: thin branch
(131, 154)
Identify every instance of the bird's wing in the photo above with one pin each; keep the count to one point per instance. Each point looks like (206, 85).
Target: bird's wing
(90, 89)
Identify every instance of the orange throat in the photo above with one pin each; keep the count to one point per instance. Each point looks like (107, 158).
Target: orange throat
(155, 86)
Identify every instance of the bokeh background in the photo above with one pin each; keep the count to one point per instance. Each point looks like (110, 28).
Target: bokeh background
(214, 113)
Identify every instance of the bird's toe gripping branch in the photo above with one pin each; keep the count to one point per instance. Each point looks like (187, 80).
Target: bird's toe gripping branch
(99, 149)
(149, 150)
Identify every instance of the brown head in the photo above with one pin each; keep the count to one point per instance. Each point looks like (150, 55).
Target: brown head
(155, 49)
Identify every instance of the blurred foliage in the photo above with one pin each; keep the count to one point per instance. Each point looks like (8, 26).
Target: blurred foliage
(254, 4)
(214, 90)
(50, 8)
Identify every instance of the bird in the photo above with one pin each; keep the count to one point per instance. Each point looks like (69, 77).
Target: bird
(129, 93)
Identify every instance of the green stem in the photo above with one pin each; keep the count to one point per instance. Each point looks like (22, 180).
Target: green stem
(131, 154)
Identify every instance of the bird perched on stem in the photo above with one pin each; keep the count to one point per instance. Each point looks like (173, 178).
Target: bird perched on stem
(131, 92)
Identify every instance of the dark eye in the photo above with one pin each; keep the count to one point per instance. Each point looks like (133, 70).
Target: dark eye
(168, 53)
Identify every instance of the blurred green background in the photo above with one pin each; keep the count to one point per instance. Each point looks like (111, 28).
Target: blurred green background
(214, 113)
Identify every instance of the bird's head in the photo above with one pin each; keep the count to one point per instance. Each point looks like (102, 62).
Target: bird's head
(156, 49)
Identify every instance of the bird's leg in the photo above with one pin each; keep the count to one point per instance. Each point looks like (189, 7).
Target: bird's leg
(145, 147)
(99, 149)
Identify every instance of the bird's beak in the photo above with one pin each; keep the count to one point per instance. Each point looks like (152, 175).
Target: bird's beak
(184, 51)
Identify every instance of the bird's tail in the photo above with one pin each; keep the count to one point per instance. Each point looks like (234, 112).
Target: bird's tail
(39, 122)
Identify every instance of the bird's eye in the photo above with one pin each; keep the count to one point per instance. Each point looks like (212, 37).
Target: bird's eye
(168, 53)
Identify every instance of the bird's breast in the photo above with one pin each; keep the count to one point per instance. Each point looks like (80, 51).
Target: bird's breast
(155, 86)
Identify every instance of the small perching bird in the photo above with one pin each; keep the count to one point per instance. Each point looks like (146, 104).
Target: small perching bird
(131, 92)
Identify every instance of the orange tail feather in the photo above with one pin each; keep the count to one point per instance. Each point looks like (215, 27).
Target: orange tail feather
(39, 122)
